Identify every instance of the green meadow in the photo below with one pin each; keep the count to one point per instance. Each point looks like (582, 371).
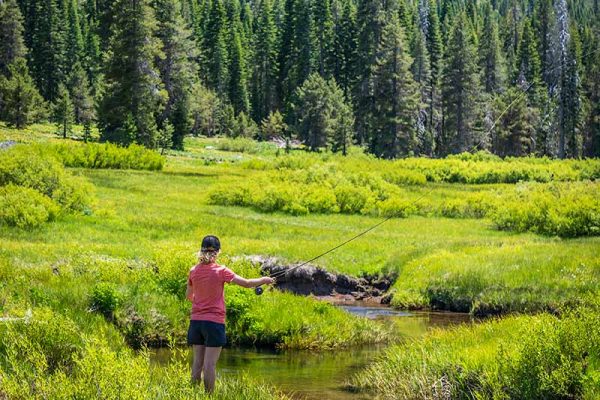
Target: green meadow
(101, 262)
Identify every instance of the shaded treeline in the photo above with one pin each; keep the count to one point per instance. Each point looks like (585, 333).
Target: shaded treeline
(400, 77)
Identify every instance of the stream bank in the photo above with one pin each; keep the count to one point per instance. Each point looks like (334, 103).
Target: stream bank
(313, 280)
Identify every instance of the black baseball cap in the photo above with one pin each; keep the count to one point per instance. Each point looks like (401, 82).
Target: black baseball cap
(211, 243)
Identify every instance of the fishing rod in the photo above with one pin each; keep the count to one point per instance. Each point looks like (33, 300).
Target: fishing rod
(259, 290)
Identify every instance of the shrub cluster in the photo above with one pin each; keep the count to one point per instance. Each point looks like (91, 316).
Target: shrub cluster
(35, 188)
(106, 155)
(479, 168)
(567, 210)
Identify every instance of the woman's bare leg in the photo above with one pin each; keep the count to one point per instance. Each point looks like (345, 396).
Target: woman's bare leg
(199, 352)
(211, 356)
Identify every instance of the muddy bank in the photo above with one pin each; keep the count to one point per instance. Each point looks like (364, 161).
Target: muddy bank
(313, 280)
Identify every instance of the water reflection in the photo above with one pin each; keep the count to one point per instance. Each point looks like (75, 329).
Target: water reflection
(320, 375)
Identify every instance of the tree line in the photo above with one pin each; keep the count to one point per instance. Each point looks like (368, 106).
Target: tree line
(399, 77)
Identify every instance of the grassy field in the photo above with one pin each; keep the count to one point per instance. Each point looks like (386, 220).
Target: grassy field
(115, 268)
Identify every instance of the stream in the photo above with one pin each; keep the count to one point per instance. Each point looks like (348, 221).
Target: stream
(310, 375)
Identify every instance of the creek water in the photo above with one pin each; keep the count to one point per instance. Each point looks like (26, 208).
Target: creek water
(310, 375)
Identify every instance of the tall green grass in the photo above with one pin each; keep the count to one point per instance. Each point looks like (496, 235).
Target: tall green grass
(46, 357)
(525, 357)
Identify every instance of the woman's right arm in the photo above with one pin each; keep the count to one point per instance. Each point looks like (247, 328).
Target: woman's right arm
(250, 283)
(189, 293)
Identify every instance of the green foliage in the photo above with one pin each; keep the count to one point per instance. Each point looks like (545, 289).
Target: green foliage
(322, 113)
(272, 126)
(563, 210)
(106, 155)
(57, 362)
(21, 102)
(11, 35)
(104, 299)
(29, 167)
(63, 112)
(134, 94)
(517, 357)
(46, 341)
(24, 207)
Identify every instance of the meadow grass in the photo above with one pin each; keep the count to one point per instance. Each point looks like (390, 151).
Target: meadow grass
(47, 357)
(116, 273)
(519, 357)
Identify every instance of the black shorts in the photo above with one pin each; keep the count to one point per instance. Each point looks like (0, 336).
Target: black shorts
(206, 333)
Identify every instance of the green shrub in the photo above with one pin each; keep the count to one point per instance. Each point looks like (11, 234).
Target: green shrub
(47, 334)
(24, 207)
(525, 357)
(106, 155)
(396, 208)
(320, 200)
(351, 199)
(104, 299)
(567, 210)
(30, 167)
(404, 177)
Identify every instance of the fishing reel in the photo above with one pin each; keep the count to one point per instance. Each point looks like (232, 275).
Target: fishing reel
(258, 290)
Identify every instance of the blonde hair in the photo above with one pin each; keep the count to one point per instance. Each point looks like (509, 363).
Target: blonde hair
(207, 256)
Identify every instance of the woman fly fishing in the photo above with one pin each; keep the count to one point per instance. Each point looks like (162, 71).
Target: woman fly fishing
(206, 333)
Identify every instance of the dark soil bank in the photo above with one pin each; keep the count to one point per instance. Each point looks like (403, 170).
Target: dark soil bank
(312, 280)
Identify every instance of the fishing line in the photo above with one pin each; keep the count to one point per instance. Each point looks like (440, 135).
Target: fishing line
(259, 290)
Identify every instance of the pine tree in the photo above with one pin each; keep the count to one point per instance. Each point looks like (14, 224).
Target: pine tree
(273, 126)
(177, 68)
(134, 95)
(92, 57)
(435, 51)
(321, 112)
(516, 129)
(340, 137)
(422, 76)
(63, 112)
(490, 56)
(238, 87)
(81, 96)
(345, 46)
(324, 37)
(215, 49)
(511, 36)
(396, 96)
(304, 42)
(287, 54)
(264, 82)
(372, 16)
(460, 92)
(570, 102)
(20, 102)
(528, 66)
(12, 45)
(74, 39)
(591, 86)
(545, 26)
(48, 59)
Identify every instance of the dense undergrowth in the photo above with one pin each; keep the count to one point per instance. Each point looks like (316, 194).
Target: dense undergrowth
(145, 302)
(45, 356)
(524, 357)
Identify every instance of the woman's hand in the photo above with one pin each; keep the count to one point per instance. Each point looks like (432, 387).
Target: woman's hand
(267, 280)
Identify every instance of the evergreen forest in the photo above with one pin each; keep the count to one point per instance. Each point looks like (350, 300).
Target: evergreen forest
(397, 77)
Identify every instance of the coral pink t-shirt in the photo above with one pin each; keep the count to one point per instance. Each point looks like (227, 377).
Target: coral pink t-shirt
(207, 281)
